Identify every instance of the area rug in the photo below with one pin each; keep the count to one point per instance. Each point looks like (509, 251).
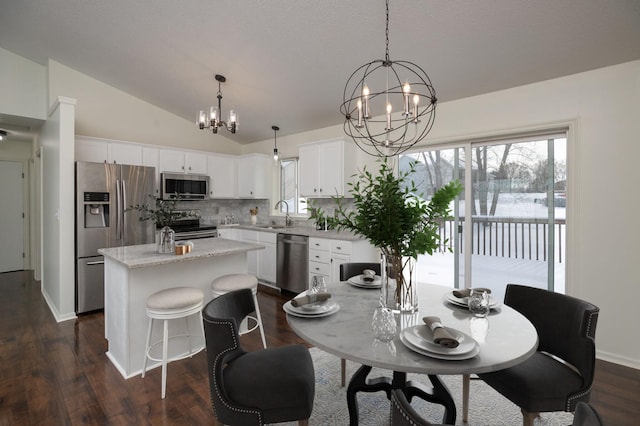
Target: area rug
(487, 407)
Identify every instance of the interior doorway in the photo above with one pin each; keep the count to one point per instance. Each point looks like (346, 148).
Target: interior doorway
(12, 216)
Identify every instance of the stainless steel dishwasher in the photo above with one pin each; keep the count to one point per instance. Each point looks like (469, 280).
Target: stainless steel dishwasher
(292, 273)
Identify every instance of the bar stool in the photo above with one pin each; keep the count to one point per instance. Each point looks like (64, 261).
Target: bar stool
(231, 282)
(168, 304)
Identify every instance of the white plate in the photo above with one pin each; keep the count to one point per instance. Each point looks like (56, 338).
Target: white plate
(461, 357)
(462, 301)
(421, 337)
(357, 281)
(331, 308)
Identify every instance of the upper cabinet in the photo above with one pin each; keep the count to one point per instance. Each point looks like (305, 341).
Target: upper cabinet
(253, 176)
(180, 161)
(107, 151)
(325, 168)
(222, 176)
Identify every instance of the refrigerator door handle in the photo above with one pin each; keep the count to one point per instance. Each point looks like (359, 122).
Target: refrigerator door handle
(124, 207)
(99, 262)
(118, 211)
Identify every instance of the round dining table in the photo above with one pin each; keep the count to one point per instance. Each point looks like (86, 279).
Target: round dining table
(505, 338)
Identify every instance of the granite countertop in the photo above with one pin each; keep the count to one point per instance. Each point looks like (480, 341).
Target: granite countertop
(145, 255)
(296, 230)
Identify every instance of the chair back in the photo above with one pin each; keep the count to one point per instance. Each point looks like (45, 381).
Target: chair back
(221, 317)
(402, 413)
(566, 328)
(348, 270)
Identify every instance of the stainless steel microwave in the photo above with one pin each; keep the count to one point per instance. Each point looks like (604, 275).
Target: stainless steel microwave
(184, 186)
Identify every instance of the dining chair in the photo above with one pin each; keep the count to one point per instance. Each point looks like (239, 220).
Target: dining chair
(560, 373)
(348, 270)
(402, 413)
(253, 388)
(586, 415)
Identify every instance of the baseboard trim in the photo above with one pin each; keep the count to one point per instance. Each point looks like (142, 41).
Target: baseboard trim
(618, 359)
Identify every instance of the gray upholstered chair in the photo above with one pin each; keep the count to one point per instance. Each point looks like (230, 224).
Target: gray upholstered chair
(253, 388)
(560, 373)
(348, 270)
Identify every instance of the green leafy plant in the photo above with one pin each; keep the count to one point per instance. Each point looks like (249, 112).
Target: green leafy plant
(389, 213)
(163, 212)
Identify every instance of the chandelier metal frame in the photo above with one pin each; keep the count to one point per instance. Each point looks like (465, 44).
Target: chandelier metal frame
(212, 121)
(406, 84)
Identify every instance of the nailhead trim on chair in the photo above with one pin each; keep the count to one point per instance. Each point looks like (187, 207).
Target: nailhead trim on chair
(411, 422)
(589, 336)
(213, 376)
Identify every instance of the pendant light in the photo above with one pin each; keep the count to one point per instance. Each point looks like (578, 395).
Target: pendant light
(212, 120)
(398, 91)
(275, 142)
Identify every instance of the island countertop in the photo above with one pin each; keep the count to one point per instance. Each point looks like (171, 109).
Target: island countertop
(145, 255)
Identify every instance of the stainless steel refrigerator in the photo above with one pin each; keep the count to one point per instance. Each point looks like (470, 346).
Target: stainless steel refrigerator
(103, 193)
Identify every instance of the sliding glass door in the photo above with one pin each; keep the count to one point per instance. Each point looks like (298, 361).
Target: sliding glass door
(509, 223)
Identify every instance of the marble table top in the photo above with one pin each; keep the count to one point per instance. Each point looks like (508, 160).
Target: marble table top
(146, 255)
(506, 338)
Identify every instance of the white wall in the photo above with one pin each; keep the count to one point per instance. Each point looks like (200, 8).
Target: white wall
(23, 86)
(106, 112)
(603, 106)
(57, 156)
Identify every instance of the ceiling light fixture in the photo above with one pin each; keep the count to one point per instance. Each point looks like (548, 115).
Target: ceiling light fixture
(407, 87)
(275, 142)
(3, 135)
(213, 121)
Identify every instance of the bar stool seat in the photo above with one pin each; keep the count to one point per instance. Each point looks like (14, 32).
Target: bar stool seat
(231, 282)
(169, 304)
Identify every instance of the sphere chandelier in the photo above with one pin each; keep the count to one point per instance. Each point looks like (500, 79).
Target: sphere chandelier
(406, 107)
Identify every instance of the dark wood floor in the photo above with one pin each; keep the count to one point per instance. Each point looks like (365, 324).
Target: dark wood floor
(58, 374)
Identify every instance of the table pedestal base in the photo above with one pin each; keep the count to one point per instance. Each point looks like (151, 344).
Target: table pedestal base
(437, 394)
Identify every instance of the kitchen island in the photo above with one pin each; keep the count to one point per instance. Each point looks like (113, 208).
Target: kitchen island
(133, 273)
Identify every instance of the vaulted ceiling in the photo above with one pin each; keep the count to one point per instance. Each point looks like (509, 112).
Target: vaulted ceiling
(286, 61)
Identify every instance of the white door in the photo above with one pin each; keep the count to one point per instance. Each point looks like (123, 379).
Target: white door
(11, 220)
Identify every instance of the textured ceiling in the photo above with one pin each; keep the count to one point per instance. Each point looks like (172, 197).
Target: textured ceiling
(286, 61)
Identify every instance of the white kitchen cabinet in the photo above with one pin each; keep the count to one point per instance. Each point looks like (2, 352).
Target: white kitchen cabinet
(151, 158)
(326, 167)
(326, 255)
(253, 176)
(228, 233)
(180, 161)
(105, 150)
(125, 153)
(249, 236)
(222, 176)
(91, 149)
(267, 258)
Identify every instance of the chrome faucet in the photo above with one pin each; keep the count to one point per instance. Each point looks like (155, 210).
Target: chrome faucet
(287, 218)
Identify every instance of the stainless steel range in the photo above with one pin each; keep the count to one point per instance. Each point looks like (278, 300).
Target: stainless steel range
(191, 229)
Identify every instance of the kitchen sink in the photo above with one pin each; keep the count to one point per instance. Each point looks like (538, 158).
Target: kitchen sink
(271, 226)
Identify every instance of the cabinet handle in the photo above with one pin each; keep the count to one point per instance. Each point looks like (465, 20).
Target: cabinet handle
(338, 248)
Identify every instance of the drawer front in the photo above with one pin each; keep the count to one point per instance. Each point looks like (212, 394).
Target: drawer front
(267, 237)
(319, 256)
(340, 247)
(319, 244)
(247, 235)
(317, 268)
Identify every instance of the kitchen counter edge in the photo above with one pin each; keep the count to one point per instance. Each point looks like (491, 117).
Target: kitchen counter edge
(146, 255)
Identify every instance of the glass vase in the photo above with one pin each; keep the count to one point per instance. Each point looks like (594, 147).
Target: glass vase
(399, 286)
(166, 240)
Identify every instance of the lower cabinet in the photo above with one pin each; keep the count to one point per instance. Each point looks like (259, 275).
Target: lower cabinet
(326, 255)
(261, 263)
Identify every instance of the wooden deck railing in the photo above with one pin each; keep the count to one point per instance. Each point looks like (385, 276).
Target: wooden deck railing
(519, 238)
